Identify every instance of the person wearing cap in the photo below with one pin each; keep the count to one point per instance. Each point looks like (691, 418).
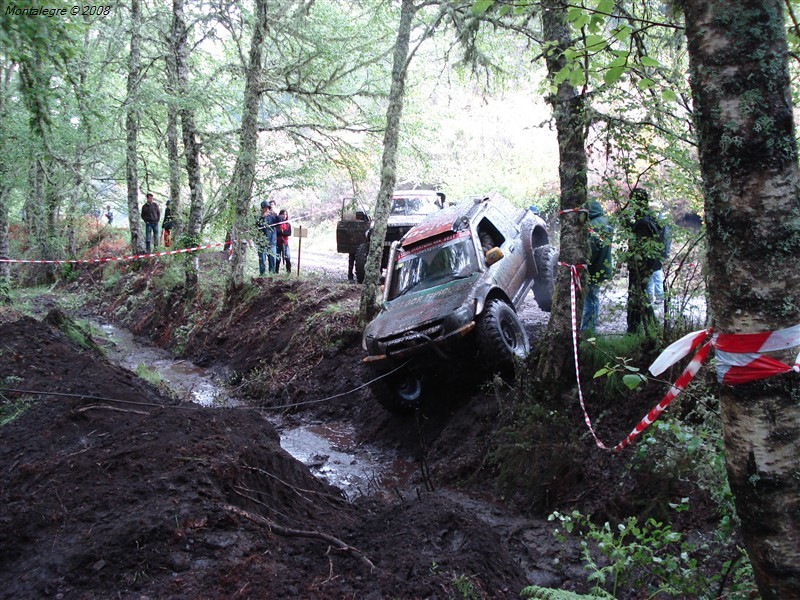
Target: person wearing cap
(166, 225)
(151, 215)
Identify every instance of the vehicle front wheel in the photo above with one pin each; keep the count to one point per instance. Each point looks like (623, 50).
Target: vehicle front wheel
(501, 336)
(399, 393)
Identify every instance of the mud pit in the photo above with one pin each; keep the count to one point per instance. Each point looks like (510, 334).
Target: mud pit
(112, 489)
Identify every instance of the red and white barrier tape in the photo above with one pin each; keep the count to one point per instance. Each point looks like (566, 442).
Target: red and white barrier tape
(739, 360)
(575, 284)
(117, 258)
(566, 211)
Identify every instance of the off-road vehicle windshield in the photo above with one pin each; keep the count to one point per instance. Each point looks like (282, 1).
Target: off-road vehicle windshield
(434, 264)
(414, 205)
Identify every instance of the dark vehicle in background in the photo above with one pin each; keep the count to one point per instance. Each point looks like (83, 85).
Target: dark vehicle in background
(409, 207)
(453, 286)
(354, 222)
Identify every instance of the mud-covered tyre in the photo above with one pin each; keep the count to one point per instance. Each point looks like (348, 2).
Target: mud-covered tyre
(399, 393)
(546, 258)
(501, 336)
(361, 261)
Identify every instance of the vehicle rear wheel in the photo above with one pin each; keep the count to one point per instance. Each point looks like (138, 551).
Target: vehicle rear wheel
(361, 261)
(546, 258)
(399, 393)
(501, 335)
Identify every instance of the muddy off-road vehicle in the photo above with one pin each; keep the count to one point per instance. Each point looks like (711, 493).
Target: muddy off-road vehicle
(452, 290)
(409, 207)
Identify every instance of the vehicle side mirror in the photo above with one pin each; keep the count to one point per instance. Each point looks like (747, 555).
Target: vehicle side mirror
(493, 255)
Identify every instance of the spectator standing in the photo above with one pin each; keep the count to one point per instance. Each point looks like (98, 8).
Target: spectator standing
(166, 225)
(151, 215)
(284, 232)
(644, 257)
(262, 224)
(272, 237)
(109, 215)
(655, 287)
(601, 266)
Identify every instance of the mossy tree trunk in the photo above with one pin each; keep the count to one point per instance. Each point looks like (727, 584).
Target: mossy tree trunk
(191, 143)
(132, 129)
(369, 295)
(241, 189)
(555, 358)
(748, 157)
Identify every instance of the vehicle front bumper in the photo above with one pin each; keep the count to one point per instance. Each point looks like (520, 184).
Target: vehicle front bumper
(421, 344)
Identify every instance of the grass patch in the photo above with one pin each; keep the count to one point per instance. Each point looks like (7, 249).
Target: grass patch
(149, 374)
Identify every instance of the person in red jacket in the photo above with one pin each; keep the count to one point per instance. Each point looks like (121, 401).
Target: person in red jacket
(284, 233)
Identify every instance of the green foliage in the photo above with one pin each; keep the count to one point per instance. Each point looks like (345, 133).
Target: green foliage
(12, 409)
(149, 374)
(690, 448)
(651, 558)
(616, 358)
(464, 587)
(542, 593)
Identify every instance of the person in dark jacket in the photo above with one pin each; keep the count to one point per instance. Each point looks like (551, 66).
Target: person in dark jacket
(284, 233)
(644, 257)
(263, 226)
(167, 224)
(601, 267)
(151, 215)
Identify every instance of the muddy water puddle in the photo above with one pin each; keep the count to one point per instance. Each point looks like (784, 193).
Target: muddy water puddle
(329, 450)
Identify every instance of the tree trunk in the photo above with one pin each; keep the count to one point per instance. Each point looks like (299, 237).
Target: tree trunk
(241, 189)
(132, 130)
(394, 112)
(5, 189)
(173, 153)
(5, 268)
(748, 159)
(191, 145)
(554, 360)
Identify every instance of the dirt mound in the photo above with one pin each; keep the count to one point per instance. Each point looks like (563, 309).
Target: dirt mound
(111, 489)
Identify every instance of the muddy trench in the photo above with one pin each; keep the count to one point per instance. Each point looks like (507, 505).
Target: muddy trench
(328, 449)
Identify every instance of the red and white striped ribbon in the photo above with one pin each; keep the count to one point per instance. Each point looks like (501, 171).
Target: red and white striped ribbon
(739, 361)
(566, 211)
(680, 384)
(575, 284)
(123, 258)
(739, 358)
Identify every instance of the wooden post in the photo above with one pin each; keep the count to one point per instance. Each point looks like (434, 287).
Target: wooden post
(300, 232)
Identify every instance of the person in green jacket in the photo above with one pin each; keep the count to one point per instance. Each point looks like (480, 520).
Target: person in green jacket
(601, 267)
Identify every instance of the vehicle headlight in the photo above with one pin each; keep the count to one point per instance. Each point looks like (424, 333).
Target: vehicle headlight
(458, 318)
(367, 341)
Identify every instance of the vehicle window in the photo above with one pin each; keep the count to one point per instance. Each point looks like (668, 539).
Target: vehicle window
(434, 264)
(414, 205)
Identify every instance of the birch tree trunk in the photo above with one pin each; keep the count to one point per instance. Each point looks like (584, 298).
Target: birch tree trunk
(748, 158)
(394, 112)
(554, 360)
(5, 189)
(132, 130)
(173, 152)
(191, 145)
(241, 189)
